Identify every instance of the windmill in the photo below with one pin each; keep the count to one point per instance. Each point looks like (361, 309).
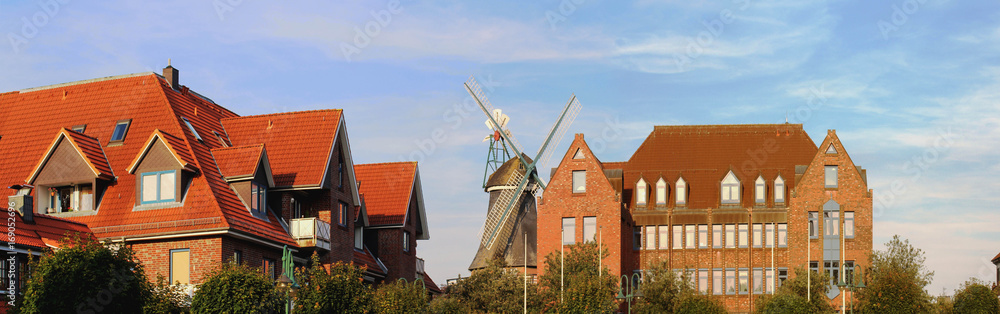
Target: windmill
(510, 225)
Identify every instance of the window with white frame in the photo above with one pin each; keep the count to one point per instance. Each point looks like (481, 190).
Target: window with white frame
(779, 190)
(589, 229)
(661, 192)
(769, 235)
(759, 191)
(731, 236)
(640, 192)
(849, 225)
(717, 236)
(769, 281)
(702, 236)
(689, 236)
(359, 237)
(681, 188)
(650, 237)
(579, 181)
(569, 230)
(717, 277)
(678, 236)
(730, 281)
(757, 236)
(703, 281)
(830, 176)
(744, 235)
(758, 284)
(159, 186)
(744, 280)
(258, 198)
(730, 189)
(782, 235)
(663, 232)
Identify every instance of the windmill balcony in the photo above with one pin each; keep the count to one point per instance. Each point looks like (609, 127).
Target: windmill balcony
(311, 232)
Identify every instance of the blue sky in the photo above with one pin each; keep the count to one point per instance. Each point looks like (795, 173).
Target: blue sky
(912, 87)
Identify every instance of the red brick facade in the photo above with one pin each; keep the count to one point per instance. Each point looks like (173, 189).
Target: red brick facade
(699, 228)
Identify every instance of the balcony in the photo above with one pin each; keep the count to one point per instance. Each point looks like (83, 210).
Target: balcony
(311, 232)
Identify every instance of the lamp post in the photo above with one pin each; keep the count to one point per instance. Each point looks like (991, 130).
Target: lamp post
(286, 287)
(628, 291)
(859, 285)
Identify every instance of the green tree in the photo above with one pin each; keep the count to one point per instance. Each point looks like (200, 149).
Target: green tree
(401, 296)
(86, 277)
(166, 298)
(233, 288)
(800, 294)
(339, 290)
(447, 305)
(942, 304)
(495, 289)
(975, 297)
(896, 280)
(662, 289)
(585, 291)
(700, 304)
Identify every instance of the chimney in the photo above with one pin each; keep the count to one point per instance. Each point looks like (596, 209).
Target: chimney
(170, 74)
(22, 202)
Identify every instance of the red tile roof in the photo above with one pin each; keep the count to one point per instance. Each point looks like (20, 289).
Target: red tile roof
(299, 144)
(46, 231)
(429, 283)
(996, 258)
(30, 117)
(238, 161)
(367, 260)
(181, 154)
(88, 147)
(704, 154)
(387, 188)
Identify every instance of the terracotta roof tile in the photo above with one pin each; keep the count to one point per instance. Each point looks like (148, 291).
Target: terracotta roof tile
(704, 154)
(366, 259)
(46, 231)
(29, 118)
(387, 188)
(238, 161)
(299, 144)
(430, 285)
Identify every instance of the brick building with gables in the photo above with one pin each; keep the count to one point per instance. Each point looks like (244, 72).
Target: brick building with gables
(736, 207)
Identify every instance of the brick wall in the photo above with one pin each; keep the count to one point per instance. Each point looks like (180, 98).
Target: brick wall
(401, 264)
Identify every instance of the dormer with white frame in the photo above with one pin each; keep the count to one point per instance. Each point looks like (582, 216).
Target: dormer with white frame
(641, 192)
(681, 193)
(730, 189)
(661, 192)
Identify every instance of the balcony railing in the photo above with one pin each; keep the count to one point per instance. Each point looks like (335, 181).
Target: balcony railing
(420, 265)
(311, 232)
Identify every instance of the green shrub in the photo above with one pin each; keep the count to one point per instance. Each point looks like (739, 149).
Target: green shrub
(700, 304)
(233, 288)
(86, 277)
(166, 298)
(447, 305)
(401, 297)
(975, 297)
(339, 290)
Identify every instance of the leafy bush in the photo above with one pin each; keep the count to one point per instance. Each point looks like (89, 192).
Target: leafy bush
(401, 297)
(167, 298)
(662, 290)
(793, 295)
(86, 277)
(896, 280)
(975, 297)
(339, 290)
(585, 291)
(233, 288)
(700, 304)
(495, 289)
(447, 305)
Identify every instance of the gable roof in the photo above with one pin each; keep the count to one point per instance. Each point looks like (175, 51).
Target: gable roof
(704, 154)
(155, 111)
(242, 162)
(372, 264)
(388, 189)
(182, 156)
(88, 148)
(45, 231)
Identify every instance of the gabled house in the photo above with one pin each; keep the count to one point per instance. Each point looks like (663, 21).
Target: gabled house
(145, 161)
(395, 206)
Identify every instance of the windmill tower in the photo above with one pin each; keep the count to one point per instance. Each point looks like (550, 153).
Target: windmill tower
(509, 232)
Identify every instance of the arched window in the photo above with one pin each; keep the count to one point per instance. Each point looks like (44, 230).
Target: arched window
(759, 190)
(779, 189)
(681, 186)
(640, 192)
(730, 189)
(661, 192)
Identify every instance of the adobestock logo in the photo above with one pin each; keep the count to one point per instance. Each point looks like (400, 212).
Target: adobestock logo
(30, 27)
(364, 36)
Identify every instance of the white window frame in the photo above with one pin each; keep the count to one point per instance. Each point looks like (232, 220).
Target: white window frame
(717, 230)
(760, 193)
(159, 175)
(730, 189)
(678, 236)
(702, 236)
(779, 190)
(359, 237)
(258, 196)
(569, 230)
(579, 181)
(663, 240)
(731, 236)
(650, 232)
(640, 192)
(590, 229)
(661, 192)
(681, 195)
(690, 232)
(849, 225)
(830, 176)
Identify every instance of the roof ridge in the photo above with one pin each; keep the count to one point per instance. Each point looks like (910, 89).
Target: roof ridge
(387, 163)
(87, 81)
(237, 147)
(726, 125)
(283, 113)
(37, 214)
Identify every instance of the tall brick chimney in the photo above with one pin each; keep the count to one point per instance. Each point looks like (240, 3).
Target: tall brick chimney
(171, 75)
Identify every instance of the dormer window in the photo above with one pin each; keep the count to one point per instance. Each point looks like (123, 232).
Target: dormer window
(258, 198)
(681, 187)
(219, 136)
(120, 130)
(661, 192)
(79, 128)
(640, 192)
(159, 187)
(779, 190)
(191, 127)
(730, 189)
(70, 198)
(759, 190)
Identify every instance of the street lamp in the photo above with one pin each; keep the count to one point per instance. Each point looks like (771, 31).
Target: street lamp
(287, 288)
(628, 291)
(859, 285)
